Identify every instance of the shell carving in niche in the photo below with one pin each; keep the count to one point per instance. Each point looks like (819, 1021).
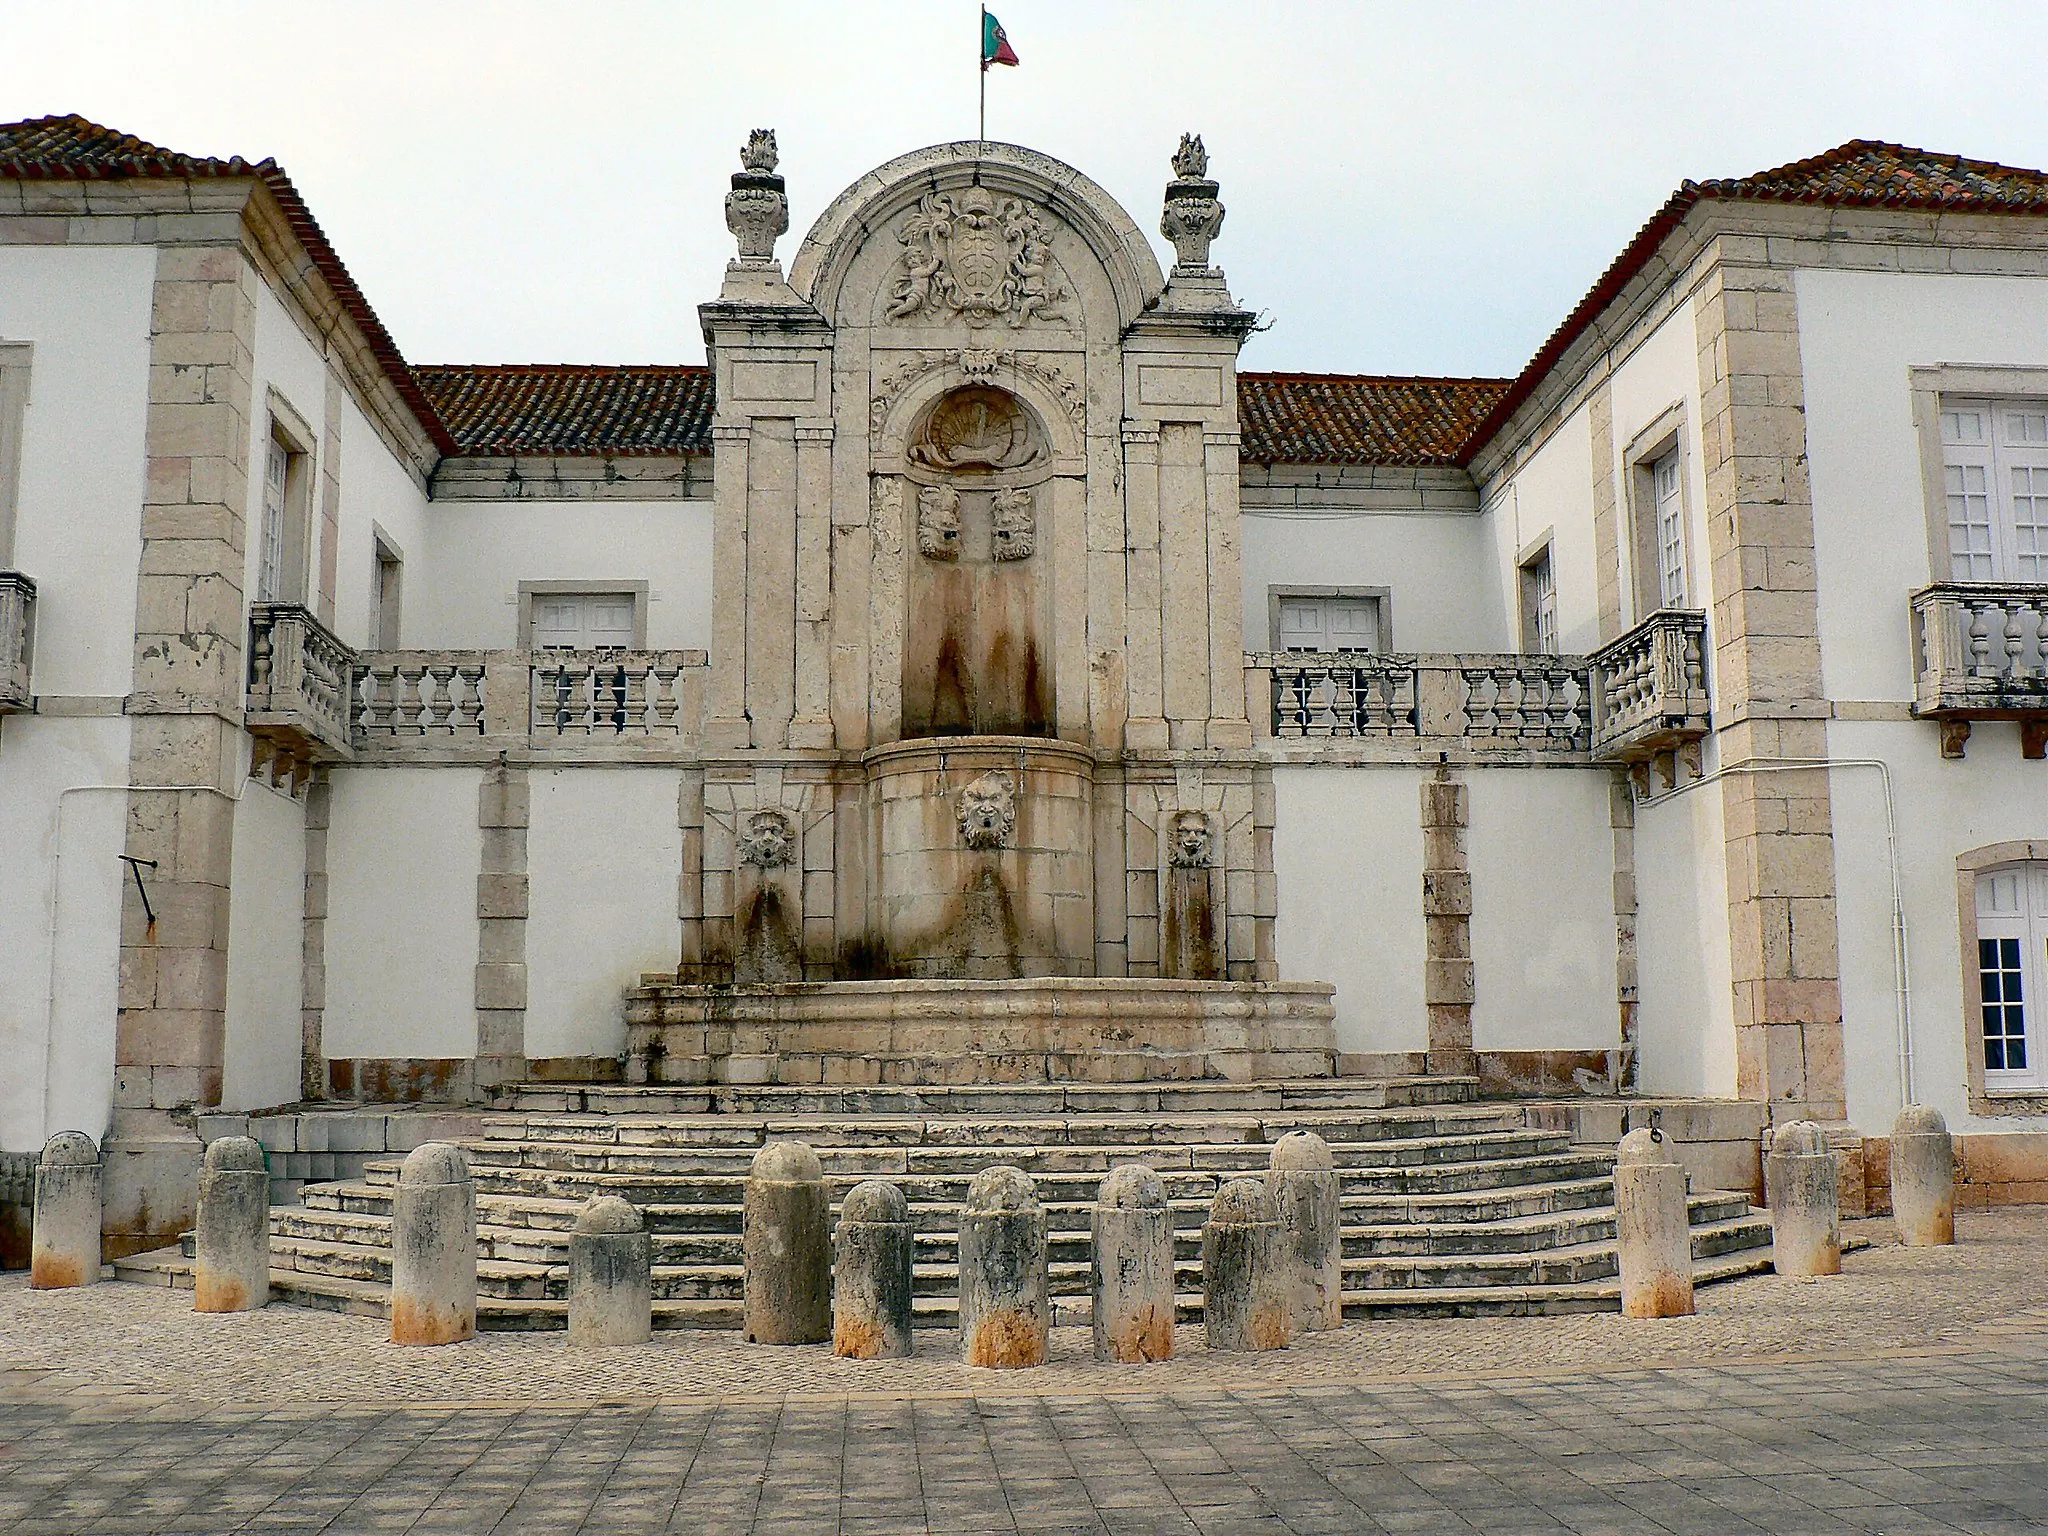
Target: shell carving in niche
(976, 429)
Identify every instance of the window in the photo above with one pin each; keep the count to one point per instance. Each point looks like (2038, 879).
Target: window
(13, 418)
(583, 621)
(286, 533)
(2012, 972)
(385, 588)
(1539, 604)
(1328, 619)
(1658, 514)
(1994, 468)
(1670, 531)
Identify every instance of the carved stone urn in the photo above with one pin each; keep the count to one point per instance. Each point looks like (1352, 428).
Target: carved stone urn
(1193, 216)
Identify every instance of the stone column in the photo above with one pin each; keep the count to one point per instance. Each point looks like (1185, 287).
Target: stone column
(611, 1290)
(1004, 1311)
(1800, 1181)
(433, 1248)
(1243, 1308)
(1131, 1268)
(1447, 927)
(1923, 1178)
(231, 1266)
(1306, 1205)
(1652, 1227)
(871, 1274)
(64, 1243)
(786, 1248)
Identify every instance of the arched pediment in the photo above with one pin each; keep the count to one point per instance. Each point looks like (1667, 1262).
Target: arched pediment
(988, 174)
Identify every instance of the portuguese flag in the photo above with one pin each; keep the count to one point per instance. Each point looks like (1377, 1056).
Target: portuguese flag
(995, 45)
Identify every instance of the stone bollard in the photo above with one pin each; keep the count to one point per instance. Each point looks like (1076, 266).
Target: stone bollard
(64, 1244)
(871, 1287)
(1800, 1180)
(1923, 1178)
(1244, 1308)
(433, 1248)
(1131, 1279)
(611, 1286)
(1304, 1192)
(231, 1237)
(1652, 1227)
(787, 1248)
(1004, 1311)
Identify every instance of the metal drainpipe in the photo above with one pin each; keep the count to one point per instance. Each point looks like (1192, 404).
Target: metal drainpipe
(56, 882)
(1901, 972)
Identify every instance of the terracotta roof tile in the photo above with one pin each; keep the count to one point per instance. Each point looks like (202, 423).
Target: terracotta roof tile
(570, 408)
(71, 148)
(1327, 418)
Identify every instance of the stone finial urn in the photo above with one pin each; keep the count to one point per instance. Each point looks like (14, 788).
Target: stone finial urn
(1193, 217)
(756, 209)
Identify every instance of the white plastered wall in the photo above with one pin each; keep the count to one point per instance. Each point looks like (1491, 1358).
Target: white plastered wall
(85, 310)
(1347, 853)
(1552, 494)
(463, 590)
(1432, 563)
(605, 853)
(265, 949)
(1543, 940)
(1686, 1014)
(1860, 334)
(403, 852)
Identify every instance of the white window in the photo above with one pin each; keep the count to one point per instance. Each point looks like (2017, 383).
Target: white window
(1539, 604)
(1668, 497)
(386, 591)
(1994, 469)
(276, 481)
(14, 359)
(583, 621)
(2012, 972)
(1326, 622)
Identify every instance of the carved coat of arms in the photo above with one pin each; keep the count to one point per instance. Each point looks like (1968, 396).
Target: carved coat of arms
(978, 256)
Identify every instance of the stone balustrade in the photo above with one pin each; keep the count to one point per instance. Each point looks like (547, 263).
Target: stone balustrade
(17, 639)
(1650, 688)
(300, 682)
(1980, 652)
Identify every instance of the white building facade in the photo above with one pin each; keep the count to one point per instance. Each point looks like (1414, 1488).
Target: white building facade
(1665, 721)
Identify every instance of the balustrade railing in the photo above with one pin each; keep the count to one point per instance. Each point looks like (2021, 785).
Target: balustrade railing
(1340, 693)
(418, 694)
(1650, 688)
(1516, 704)
(625, 693)
(301, 683)
(17, 639)
(1981, 653)
(1537, 702)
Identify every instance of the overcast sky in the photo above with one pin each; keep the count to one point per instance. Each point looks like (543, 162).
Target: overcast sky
(1418, 188)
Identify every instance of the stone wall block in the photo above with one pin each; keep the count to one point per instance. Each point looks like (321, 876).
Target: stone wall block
(786, 1248)
(1005, 1309)
(1306, 1207)
(1652, 1227)
(1923, 1169)
(1131, 1279)
(231, 1236)
(872, 1291)
(433, 1248)
(64, 1239)
(1801, 1181)
(1245, 1307)
(611, 1294)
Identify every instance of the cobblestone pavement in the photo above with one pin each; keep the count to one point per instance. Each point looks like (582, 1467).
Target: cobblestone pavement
(1903, 1397)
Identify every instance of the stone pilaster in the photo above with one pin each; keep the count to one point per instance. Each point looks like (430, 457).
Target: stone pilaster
(1770, 704)
(185, 745)
(503, 811)
(1606, 514)
(1447, 925)
(1621, 807)
(327, 568)
(313, 952)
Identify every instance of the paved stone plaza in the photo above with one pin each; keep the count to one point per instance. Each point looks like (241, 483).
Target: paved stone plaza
(1903, 1397)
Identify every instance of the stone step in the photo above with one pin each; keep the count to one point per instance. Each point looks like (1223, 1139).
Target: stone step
(1162, 1098)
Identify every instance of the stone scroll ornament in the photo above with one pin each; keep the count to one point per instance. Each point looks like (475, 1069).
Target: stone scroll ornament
(1193, 216)
(769, 841)
(974, 256)
(756, 209)
(1193, 841)
(938, 523)
(988, 812)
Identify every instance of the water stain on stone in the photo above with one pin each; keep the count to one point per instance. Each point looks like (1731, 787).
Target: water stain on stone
(55, 1272)
(1144, 1335)
(767, 951)
(417, 1322)
(857, 1338)
(1006, 1340)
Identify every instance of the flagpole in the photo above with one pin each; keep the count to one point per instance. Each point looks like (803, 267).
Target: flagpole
(981, 63)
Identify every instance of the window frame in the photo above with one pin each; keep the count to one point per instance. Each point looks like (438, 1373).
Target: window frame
(1539, 555)
(1662, 438)
(287, 429)
(2000, 1095)
(1931, 385)
(17, 360)
(528, 590)
(387, 607)
(1382, 599)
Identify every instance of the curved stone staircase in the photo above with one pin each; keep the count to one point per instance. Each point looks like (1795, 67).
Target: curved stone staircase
(1450, 1206)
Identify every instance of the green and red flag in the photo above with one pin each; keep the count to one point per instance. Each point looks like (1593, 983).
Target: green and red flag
(995, 44)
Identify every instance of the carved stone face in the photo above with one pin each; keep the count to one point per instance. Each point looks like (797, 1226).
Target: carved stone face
(769, 840)
(1193, 842)
(988, 811)
(938, 523)
(1015, 525)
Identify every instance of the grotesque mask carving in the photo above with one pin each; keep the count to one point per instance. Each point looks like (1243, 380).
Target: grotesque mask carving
(769, 841)
(1016, 527)
(988, 811)
(938, 522)
(1193, 842)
